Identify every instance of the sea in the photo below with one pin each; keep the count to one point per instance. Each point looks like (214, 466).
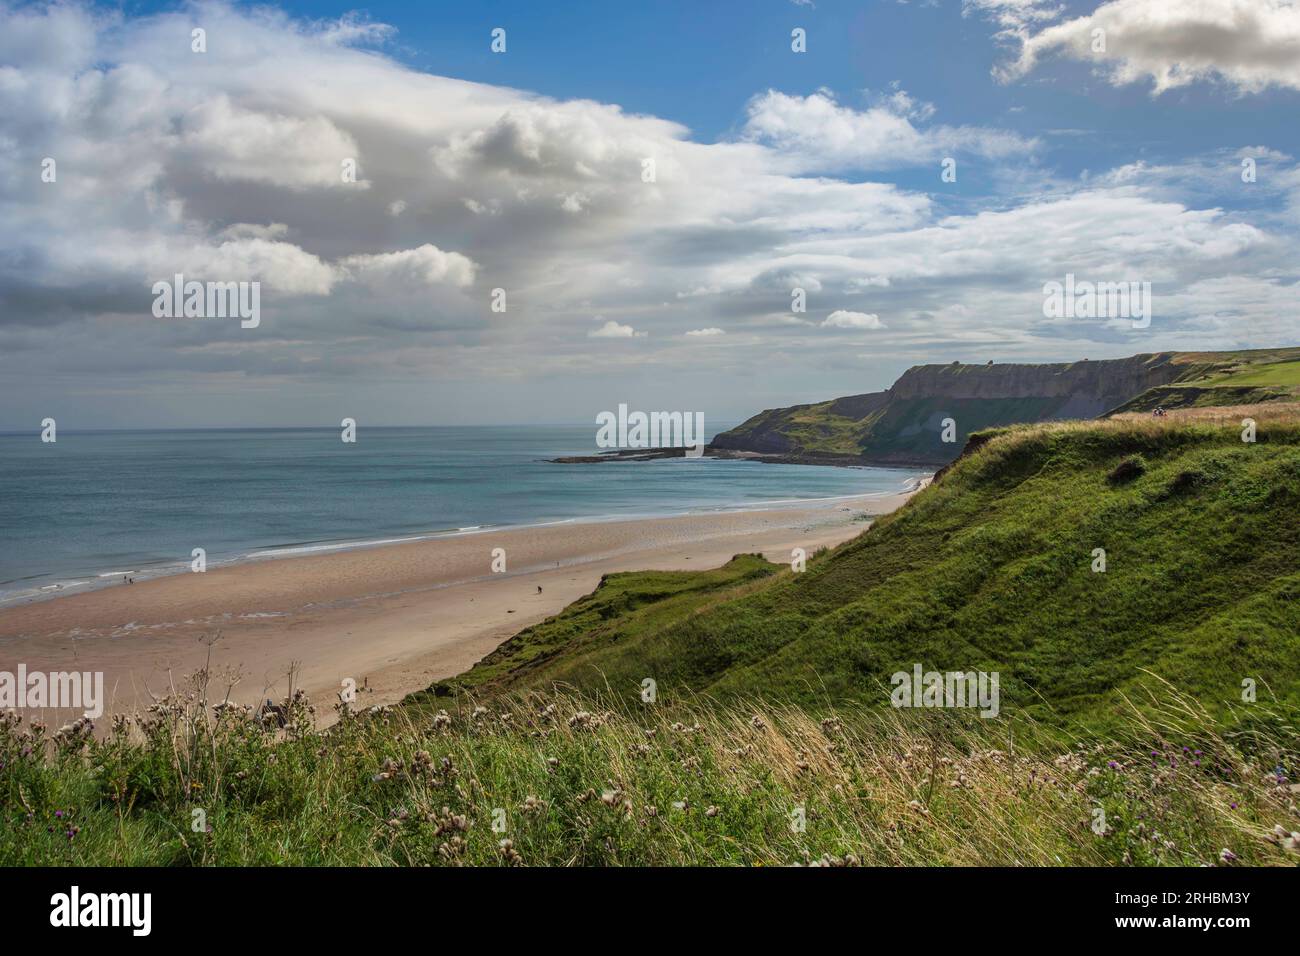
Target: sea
(94, 507)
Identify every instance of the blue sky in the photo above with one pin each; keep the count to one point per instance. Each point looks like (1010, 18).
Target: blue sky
(699, 63)
(521, 171)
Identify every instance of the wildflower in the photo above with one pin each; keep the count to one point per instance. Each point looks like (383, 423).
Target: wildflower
(532, 805)
(452, 848)
(711, 812)
(757, 723)
(450, 822)
(509, 853)
(1226, 855)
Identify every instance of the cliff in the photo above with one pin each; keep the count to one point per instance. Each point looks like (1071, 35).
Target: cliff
(905, 425)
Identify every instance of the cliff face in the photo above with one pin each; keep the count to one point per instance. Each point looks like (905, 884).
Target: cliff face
(1100, 381)
(905, 424)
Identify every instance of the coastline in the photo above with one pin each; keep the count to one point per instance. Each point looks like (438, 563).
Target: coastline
(393, 617)
(91, 581)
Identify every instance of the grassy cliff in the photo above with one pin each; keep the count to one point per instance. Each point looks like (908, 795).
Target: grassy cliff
(904, 424)
(1214, 379)
(991, 568)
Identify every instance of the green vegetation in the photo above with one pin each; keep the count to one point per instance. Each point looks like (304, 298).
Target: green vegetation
(1121, 691)
(1272, 373)
(624, 606)
(802, 430)
(992, 569)
(573, 783)
(1214, 379)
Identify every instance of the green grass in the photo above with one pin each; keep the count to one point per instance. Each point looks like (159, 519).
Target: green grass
(623, 605)
(991, 569)
(563, 781)
(1273, 373)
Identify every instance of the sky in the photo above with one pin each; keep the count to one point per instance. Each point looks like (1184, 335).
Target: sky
(620, 205)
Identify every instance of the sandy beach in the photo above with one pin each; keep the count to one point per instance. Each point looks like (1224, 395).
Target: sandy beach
(394, 618)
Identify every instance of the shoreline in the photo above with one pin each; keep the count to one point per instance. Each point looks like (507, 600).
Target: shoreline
(394, 618)
(90, 582)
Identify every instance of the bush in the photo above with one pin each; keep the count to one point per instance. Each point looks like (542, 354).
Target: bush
(1130, 468)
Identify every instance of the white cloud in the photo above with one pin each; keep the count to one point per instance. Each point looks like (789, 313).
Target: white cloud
(234, 143)
(426, 264)
(705, 332)
(844, 319)
(1013, 14)
(480, 174)
(1248, 45)
(817, 133)
(613, 330)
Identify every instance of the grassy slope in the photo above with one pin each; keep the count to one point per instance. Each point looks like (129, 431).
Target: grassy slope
(806, 429)
(572, 783)
(1226, 378)
(990, 569)
(624, 605)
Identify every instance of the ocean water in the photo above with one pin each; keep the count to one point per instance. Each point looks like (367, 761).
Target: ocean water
(94, 506)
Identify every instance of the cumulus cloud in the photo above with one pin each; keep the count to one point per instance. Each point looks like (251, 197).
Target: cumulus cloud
(817, 133)
(615, 330)
(226, 166)
(1247, 45)
(846, 319)
(424, 265)
(226, 141)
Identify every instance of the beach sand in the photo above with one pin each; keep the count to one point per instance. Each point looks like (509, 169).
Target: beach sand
(394, 618)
